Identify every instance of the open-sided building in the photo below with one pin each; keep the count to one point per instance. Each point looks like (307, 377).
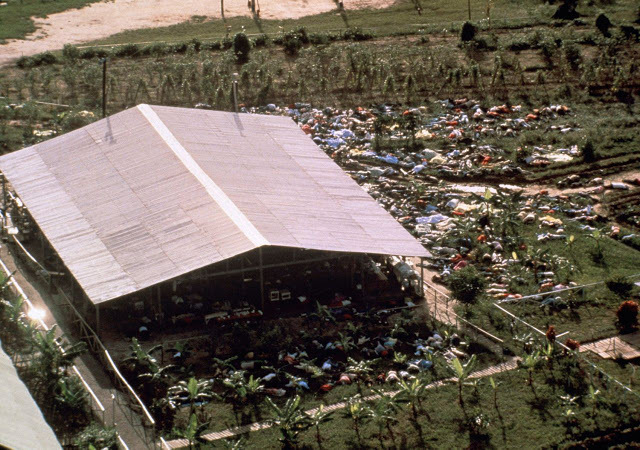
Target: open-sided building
(139, 202)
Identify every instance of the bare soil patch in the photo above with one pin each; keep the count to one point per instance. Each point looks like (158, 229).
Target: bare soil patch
(100, 20)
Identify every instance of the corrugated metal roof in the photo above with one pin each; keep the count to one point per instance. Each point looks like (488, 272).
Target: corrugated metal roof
(22, 426)
(154, 192)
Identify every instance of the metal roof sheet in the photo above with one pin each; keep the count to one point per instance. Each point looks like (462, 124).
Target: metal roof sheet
(154, 192)
(22, 426)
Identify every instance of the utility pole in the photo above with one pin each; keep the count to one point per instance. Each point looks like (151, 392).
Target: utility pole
(469, 5)
(235, 92)
(104, 87)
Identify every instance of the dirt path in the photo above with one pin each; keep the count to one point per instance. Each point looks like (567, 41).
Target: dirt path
(106, 18)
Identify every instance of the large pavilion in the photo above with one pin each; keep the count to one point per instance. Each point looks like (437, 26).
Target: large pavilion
(136, 203)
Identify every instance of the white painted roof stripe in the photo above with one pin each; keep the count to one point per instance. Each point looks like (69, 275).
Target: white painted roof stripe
(217, 194)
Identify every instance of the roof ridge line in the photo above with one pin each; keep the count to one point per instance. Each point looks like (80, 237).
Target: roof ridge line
(216, 193)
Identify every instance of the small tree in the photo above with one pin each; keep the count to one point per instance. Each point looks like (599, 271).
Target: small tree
(241, 48)
(317, 418)
(359, 412)
(461, 373)
(627, 315)
(290, 419)
(603, 24)
(466, 285)
(468, 32)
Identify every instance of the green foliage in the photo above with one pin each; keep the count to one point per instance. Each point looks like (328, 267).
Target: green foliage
(97, 436)
(627, 315)
(241, 48)
(70, 52)
(291, 43)
(356, 34)
(467, 285)
(468, 32)
(128, 50)
(290, 419)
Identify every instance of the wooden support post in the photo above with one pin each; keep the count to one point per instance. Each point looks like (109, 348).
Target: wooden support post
(421, 277)
(159, 296)
(98, 320)
(261, 279)
(4, 194)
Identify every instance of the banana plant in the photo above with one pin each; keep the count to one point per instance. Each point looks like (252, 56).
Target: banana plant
(412, 393)
(52, 357)
(593, 395)
(359, 412)
(360, 369)
(290, 419)
(494, 386)
(461, 373)
(192, 390)
(530, 362)
(243, 388)
(384, 414)
(318, 417)
(193, 431)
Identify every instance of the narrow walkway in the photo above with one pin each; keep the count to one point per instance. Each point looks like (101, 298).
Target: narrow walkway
(510, 364)
(90, 369)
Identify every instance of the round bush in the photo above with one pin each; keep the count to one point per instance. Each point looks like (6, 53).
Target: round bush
(241, 48)
(627, 315)
(468, 32)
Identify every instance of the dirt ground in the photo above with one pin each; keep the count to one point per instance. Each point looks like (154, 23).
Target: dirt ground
(103, 19)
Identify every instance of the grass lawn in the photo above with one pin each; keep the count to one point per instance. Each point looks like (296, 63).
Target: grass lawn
(15, 18)
(524, 417)
(587, 317)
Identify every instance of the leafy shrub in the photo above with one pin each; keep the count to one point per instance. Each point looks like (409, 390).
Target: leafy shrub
(227, 43)
(97, 436)
(196, 44)
(70, 52)
(573, 55)
(156, 49)
(91, 53)
(179, 48)
(466, 285)
(24, 62)
(45, 58)
(241, 48)
(215, 45)
(74, 120)
(627, 315)
(356, 34)
(468, 32)
(127, 50)
(319, 38)
(292, 44)
(301, 32)
(567, 10)
(37, 60)
(261, 41)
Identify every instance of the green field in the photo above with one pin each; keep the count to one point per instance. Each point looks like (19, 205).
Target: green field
(16, 17)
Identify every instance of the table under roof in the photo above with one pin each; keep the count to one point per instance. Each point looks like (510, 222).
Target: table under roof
(154, 192)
